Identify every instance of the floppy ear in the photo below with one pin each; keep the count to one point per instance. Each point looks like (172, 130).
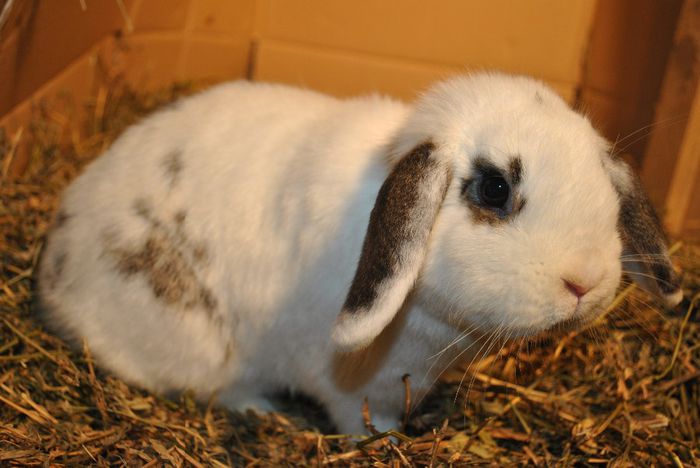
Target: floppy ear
(394, 246)
(645, 255)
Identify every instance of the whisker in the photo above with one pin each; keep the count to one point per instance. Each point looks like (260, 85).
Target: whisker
(478, 353)
(666, 121)
(459, 338)
(649, 306)
(501, 330)
(647, 275)
(648, 255)
(446, 367)
(652, 127)
(654, 261)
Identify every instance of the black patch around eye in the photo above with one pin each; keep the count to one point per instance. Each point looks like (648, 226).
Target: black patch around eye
(494, 191)
(491, 192)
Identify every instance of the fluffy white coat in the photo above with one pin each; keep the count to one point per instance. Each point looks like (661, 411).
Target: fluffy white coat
(275, 185)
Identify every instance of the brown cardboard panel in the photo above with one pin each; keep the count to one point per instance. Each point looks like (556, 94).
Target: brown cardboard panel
(345, 73)
(615, 117)
(545, 38)
(8, 71)
(630, 38)
(214, 60)
(146, 61)
(58, 33)
(152, 60)
(231, 18)
(604, 111)
(672, 127)
(16, 18)
(628, 48)
(691, 228)
(153, 15)
(67, 94)
(686, 173)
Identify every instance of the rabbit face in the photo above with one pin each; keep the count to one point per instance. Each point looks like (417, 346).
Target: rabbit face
(527, 235)
(510, 209)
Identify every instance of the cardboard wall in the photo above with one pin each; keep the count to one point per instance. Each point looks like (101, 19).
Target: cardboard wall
(606, 56)
(671, 170)
(147, 43)
(401, 46)
(624, 67)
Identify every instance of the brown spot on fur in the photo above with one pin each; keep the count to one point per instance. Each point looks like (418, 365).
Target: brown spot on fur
(538, 98)
(200, 253)
(515, 170)
(198, 250)
(482, 215)
(180, 217)
(173, 166)
(392, 225)
(142, 208)
(167, 271)
(228, 353)
(165, 259)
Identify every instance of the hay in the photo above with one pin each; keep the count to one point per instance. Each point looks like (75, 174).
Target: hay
(626, 391)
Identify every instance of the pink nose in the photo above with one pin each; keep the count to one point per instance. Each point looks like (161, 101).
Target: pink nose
(576, 289)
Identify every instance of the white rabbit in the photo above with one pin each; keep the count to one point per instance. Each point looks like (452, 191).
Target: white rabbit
(213, 246)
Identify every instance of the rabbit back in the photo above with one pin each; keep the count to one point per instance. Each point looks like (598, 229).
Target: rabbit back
(220, 221)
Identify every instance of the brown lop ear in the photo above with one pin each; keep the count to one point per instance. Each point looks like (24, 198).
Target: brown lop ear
(394, 247)
(645, 255)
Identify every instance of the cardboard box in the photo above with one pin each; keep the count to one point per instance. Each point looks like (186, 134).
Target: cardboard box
(606, 57)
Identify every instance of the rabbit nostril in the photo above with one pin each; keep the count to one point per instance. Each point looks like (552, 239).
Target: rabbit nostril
(576, 289)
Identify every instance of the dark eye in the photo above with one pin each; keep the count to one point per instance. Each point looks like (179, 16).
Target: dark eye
(494, 191)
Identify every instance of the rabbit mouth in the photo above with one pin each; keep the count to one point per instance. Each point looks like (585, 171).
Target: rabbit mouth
(569, 325)
(582, 317)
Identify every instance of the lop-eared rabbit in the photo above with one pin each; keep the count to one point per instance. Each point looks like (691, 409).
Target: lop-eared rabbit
(258, 237)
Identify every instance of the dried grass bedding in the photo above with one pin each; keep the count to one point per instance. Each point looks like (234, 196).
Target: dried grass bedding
(624, 392)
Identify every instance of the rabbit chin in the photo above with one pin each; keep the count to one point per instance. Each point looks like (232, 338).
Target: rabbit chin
(561, 320)
(515, 315)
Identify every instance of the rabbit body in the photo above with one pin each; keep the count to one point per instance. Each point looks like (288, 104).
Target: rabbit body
(233, 198)
(212, 246)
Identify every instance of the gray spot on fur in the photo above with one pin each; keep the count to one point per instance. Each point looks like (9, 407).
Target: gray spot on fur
(642, 234)
(61, 218)
(392, 224)
(52, 268)
(51, 272)
(640, 228)
(59, 263)
(173, 165)
(538, 98)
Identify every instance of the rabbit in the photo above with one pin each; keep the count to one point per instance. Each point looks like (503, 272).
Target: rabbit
(259, 237)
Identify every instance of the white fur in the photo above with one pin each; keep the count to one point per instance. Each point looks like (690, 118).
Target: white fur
(278, 183)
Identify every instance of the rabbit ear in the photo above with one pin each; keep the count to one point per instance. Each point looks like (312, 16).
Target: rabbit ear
(645, 256)
(394, 246)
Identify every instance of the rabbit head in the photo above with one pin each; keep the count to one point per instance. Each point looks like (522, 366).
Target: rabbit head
(504, 210)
